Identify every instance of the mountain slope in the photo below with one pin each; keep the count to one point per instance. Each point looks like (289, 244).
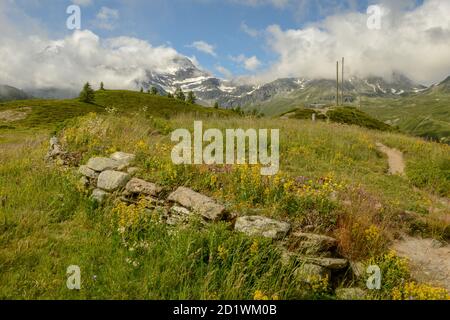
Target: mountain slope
(8, 93)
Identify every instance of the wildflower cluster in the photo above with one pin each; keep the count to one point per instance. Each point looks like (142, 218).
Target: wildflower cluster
(414, 291)
(261, 296)
(130, 219)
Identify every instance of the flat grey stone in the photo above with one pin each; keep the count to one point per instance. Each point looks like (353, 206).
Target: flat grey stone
(88, 172)
(125, 159)
(139, 186)
(198, 203)
(112, 180)
(262, 226)
(314, 241)
(330, 263)
(100, 164)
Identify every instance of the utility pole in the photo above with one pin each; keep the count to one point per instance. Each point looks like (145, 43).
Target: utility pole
(337, 83)
(342, 82)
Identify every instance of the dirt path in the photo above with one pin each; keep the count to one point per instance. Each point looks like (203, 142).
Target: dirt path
(395, 159)
(429, 260)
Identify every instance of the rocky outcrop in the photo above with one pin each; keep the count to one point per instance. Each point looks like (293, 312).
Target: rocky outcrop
(100, 164)
(58, 155)
(139, 186)
(110, 180)
(262, 226)
(199, 203)
(311, 242)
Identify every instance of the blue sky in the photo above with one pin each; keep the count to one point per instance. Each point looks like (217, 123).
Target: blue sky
(233, 28)
(255, 41)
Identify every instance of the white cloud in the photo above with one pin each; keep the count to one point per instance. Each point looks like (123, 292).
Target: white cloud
(414, 42)
(106, 18)
(83, 3)
(250, 31)
(204, 47)
(254, 3)
(224, 71)
(249, 64)
(29, 62)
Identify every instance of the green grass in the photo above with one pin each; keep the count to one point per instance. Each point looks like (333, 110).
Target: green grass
(48, 222)
(424, 115)
(45, 113)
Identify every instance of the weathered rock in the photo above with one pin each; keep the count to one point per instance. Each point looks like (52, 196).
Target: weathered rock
(262, 226)
(309, 272)
(357, 269)
(350, 294)
(198, 203)
(125, 159)
(84, 182)
(315, 242)
(139, 186)
(177, 215)
(88, 172)
(330, 263)
(55, 149)
(112, 180)
(100, 164)
(99, 195)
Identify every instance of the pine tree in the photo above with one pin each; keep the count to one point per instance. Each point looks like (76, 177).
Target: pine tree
(170, 96)
(191, 98)
(216, 105)
(179, 94)
(154, 91)
(87, 95)
(102, 86)
(142, 90)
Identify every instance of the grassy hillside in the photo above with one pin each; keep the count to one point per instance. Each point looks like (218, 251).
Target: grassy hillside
(43, 113)
(425, 114)
(47, 221)
(344, 115)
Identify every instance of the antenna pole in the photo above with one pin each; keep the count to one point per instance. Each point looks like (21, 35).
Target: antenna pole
(337, 83)
(342, 82)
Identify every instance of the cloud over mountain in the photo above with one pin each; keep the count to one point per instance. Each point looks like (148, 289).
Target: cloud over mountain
(413, 42)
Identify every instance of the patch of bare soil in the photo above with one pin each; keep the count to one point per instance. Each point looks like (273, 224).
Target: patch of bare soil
(429, 259)
(395, 159)
(14, 115)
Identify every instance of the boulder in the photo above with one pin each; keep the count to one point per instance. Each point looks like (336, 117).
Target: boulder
(309, 272)
(125, 159)
(139, 186)
(357, 269)
(88, 172)
(112, 180)
(315, 242)
(198, 203)
(350, 294)
(330, 263)
(262, 226)
(100, 164)
(99, 195)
